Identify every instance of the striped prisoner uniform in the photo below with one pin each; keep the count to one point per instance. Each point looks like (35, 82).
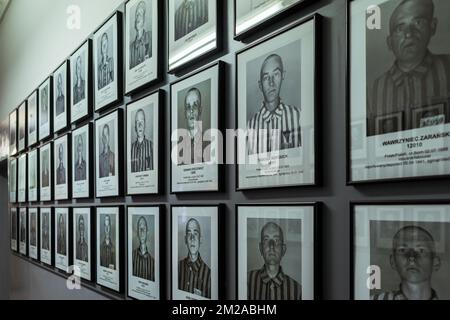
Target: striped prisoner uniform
(275, 130)
(143, 265)
(105, 72)
(142, 156)
(282, 287)
(397, 91)
(398, 295)
(194, 277)
(107, 255)
(190, 15)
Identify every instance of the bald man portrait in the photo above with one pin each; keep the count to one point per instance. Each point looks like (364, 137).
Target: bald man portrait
(107, 157)
(276, 126)
(142, 147)
(417, 79)
(415, 260)
(141, 46)
(270, 282)
(194, 275)
(143, 262)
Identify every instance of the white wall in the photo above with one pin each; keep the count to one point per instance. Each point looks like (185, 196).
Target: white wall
(35, 40)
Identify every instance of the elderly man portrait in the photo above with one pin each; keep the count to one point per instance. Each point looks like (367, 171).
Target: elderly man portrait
(61, 236)
(107, 161)
(61, 170)
(143, 262)
(105, 71)
(270, 282)
(415, 260)
(276, 126)
(107, 249)
(80, 164)
(79, 91)
(141, 46)
(418, 77)
(194, 275)
(142, 148)
(60, 98)
(82, 249)
(189, 16)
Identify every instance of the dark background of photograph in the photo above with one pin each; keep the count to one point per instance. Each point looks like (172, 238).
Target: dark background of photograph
(205, 241)
(150, 233)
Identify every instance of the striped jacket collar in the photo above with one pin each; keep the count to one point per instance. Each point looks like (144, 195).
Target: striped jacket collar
(420, 71)
(268, 115)
(278, 280)
(399, 295)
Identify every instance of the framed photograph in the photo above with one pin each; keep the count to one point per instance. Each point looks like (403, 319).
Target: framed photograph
(22, 179)
(45, 109)
(196, 259)
(13, 133)
(62, 163)
(4, 139)
(110, 247)
(63, 239)
(143, 142)
(108, 63)
(108, 147)
(45, 172)
(253, 15)
(12, 180)
(61, 97)
(142, 45)
(193, 31)
(14, 229)
(22, 123)
(277, 83)
(32, 116)
(46, 235)
(33, 176)
(145, 239)
(398, 246)
(23, 235)
(402, 126)
(82, 168)
(81, 82)
(197, 146)
(83, 247)
(276, 249)
(33, 233)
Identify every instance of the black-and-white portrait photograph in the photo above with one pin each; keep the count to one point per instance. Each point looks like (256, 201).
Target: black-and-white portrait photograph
(107, 150)
(143, 145)
(400, 85)
(32, 122)
(61, 167)
(195, 253)
(33, 185)
(22, 123)
(82, 254)
(46, 252)
(12, 180)
(81, 162)
(22, 179)
(141, 40)
(23, 231)
(276, 252)
(143, 253)
(80, 71)
(61, 95)
(45, 109)
(13, 229)
(401, 256)
(4, 139)
(33, 236)
(192, 30)
(108, 247)
(13, 133)
(107, 42)
(45, 172)
(276, 108)
(62, 240)
(252, 13)
(195, 108)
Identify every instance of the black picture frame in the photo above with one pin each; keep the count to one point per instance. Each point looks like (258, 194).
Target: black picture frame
(89, 80)
(221, 242)
(220, 6)
(22, 111)
(119, 54)
(67, 98)
(36, 140)
(24, 254)
(162, 247)
(12, 198)
(317, 20)
(317, 220)
(13, 211)
(37, 175)
(277, 16)
(13, 126)
(51, 169)
(51, 239)
(25, 177)
(90, 170)
(41, 137)
(69, 239)
(92, 244)
(38, 237)
(68, 137)
(354, 204)
(160, 52)
(221, 65)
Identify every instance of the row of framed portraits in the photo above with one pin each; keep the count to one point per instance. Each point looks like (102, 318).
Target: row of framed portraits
(277, 149)
(276, 248)
(400, 250)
